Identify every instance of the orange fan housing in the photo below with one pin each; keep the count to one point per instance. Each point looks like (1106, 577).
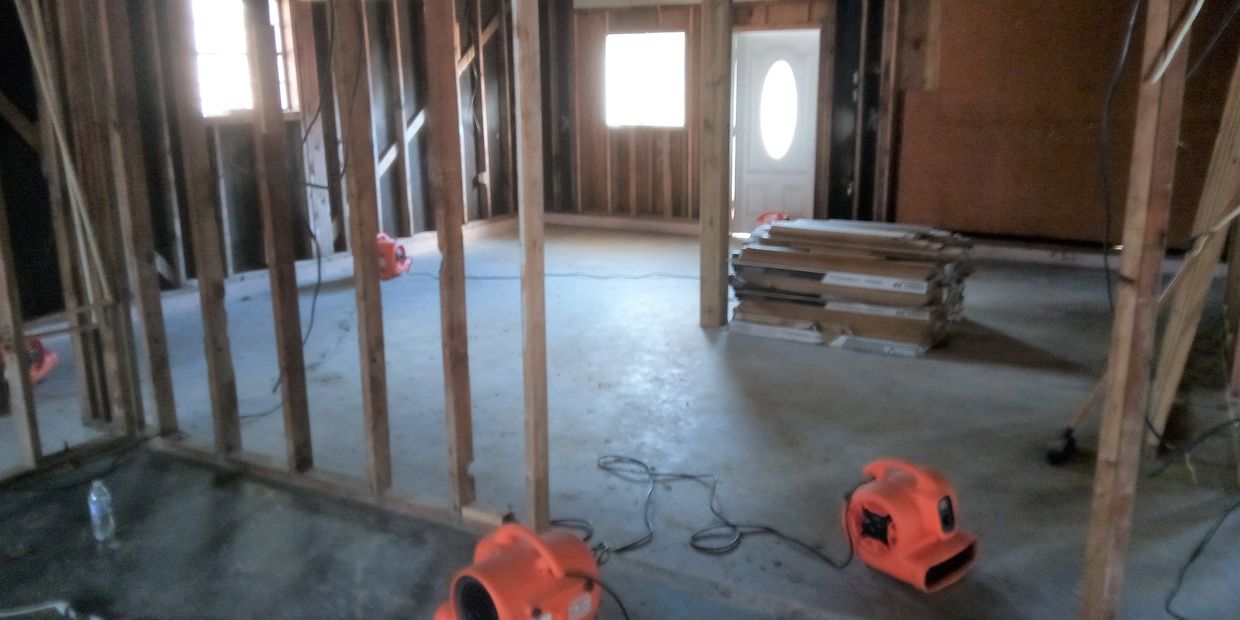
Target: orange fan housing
(903, 523)
(520, 575)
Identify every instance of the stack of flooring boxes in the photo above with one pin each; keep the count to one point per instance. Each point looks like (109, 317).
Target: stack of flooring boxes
(890, 288)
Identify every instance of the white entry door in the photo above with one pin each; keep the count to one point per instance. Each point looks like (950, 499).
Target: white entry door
(774, 122)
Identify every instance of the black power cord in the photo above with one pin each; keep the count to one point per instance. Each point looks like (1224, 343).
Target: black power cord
(1192, 445)
(1192, 557)
(719, 538)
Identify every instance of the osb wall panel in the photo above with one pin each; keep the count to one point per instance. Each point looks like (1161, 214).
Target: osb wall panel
(1007, 143)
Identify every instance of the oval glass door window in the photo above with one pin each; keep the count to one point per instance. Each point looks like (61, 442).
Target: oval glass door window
(777, 111)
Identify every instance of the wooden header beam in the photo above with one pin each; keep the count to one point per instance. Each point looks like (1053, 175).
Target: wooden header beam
(530, 178)
(714, 209)
(1155, 139)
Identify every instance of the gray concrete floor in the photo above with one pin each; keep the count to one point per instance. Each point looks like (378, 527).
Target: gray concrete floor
(786, 427)
(194, 543)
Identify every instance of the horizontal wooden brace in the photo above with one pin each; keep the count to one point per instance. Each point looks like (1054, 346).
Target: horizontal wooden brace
(470, 53)
(27, 129)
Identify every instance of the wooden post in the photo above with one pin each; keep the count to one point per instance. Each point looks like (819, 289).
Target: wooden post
(318, 178)
(888, 111)
(530, 177)
(150, 47)
(826, 87)
(400, 116)
(713, 165)
(13, 350)
(486, 208)
(863, 48)
(90, 109)
(204, 226)
(129, 164)
(1221, 187)
(276, 193)
(92, 388)
(351, 68)
(447, 196)
(1152, 171)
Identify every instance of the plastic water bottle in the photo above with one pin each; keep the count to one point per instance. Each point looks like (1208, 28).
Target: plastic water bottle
(102, 522)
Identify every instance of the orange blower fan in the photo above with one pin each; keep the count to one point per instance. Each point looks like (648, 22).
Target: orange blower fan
(903, 523)
(41, 359)
(392, 258)
(520, 575)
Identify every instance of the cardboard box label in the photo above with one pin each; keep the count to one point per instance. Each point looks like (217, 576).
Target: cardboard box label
(878, 283)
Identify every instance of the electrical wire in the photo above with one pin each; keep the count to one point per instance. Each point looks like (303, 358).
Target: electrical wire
(1188, 448)
(1218, 34)
(720, 538)
(1104, 147)
(1177, 41)
(1192, 557)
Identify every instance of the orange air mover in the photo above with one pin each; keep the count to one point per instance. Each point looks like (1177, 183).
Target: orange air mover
(903, 523)
(520, 575)
(42, 360)
(393, 260)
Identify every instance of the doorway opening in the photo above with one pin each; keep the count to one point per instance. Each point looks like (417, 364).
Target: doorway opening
(774, 125)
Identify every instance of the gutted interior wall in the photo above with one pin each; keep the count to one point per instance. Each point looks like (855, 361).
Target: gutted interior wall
(396, 42)
(647, 171)
(1007, 141)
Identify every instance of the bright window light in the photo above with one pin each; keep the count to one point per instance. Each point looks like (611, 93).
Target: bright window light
(777, 114)
(223, 62)
(645, 79)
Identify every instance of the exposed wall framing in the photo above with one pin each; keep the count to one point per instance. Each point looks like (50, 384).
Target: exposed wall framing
(375, 78)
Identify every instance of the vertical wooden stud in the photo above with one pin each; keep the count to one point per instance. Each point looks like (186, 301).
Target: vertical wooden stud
(13, 350)
(486, 205)
(1222, 184)
(715, 102)
(89, 104)
(530, 180)
(1151, 173)
(400, 116)
(319, 180)
(826, 84)
(84, 339)
(888, 111)
(276, 193)
(135, 208)
(204, 226)
(447, 195)
(351, 69)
